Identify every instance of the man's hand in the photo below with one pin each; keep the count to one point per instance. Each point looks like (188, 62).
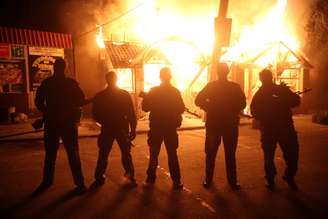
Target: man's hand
(132, 135)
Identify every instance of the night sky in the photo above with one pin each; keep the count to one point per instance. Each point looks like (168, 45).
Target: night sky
(33, 14)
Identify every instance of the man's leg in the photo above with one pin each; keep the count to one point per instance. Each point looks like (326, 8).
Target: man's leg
(125, 147)
(269, 145)
(155, 139)
(105, 143)
(171, 141)
(230, 140)
(51, 143)
(70, 140)
(289, 145)
(212, 143)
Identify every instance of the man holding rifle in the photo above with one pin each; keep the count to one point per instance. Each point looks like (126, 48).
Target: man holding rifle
(271, 106)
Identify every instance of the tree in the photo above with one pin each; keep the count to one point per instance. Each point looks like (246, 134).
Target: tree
(317, 49)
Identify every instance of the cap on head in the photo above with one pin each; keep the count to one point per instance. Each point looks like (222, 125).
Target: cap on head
(111, 78)
(165, 75)
(222, 70)
(59, 67)
(266, 76)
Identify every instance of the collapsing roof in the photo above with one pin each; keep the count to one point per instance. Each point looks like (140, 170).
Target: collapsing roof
(121, 54)
(126, 55)
(301, 59)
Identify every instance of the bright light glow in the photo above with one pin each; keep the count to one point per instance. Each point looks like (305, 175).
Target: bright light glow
(153, 22)
(266, 32)
(100, 37)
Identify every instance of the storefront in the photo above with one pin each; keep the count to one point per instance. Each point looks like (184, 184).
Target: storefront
(27, 58)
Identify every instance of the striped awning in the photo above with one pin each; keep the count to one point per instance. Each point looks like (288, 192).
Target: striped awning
(35, 38)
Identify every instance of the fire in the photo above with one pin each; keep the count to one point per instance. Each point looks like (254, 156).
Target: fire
(100, 37)
(254, 39)
(154, 23)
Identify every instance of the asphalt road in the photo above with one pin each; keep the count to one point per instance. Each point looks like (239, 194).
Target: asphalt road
(21, 168)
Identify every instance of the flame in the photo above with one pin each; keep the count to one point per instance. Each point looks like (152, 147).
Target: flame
(268, 31)
(100, 37)
(152, 23)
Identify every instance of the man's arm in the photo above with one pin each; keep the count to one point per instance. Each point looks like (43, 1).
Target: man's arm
(40, 98)
(132, 119)
(201, 99)
(292, 99)
(255, 106)
(241, 99)
(79, 95)
(146, 104)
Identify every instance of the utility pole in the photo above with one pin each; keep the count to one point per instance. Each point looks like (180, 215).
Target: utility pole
(222, 36)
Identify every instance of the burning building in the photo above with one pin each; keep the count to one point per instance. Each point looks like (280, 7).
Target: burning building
(183, 42)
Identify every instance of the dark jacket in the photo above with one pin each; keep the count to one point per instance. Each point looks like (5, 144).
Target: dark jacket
(113, 108)
(272, 105)
(165, 105)
(60, 99)
(222, 101)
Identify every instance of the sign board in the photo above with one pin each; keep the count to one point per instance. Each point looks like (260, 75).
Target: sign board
(43, 51)
(41, 64)
(4, 50)
(17, 51)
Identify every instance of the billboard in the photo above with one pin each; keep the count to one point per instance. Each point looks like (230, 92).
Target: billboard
(41, 62)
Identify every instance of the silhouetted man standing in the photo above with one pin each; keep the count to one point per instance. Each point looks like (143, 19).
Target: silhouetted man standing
(59, 99)
(113, 109)
(271, 105)
(166, 106)
(222, 100)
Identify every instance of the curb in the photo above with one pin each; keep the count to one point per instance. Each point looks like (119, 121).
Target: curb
(139, 132)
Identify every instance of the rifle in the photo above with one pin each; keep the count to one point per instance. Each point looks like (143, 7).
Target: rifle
(304, 91)
(297, 92)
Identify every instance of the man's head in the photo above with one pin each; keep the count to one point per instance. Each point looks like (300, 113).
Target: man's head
(59, 67)
(222, 70)
(266, 77)
(111, 79)
(165, 75)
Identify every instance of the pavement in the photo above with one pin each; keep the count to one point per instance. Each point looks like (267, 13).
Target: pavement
(21, 171)
(87, 128)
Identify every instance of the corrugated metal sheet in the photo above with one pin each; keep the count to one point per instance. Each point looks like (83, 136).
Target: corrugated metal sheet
(28, 37)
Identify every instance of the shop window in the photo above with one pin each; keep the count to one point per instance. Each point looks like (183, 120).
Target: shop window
(11, 76)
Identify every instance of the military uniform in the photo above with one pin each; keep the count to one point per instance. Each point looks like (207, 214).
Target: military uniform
(60, 98)
(166, 106)
(271, 105)
(222, 100)
(113, 109)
